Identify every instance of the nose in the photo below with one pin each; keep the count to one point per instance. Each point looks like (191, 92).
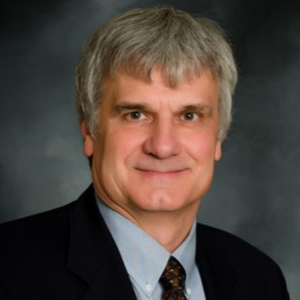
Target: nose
(162, 141)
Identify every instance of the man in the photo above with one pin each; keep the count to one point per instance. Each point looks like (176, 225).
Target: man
(154, 93)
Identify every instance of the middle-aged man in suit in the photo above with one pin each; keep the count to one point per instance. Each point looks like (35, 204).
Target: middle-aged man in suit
(154, 90)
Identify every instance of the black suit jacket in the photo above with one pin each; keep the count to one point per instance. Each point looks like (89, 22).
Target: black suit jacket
(68, 253)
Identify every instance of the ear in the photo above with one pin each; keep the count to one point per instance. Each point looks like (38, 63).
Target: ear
(218, 150)
(88, 141)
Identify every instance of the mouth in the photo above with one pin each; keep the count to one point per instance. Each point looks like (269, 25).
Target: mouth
(161, 169)
(155, 172)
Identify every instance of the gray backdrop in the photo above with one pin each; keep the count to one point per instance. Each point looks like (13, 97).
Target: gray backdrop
(255, 194)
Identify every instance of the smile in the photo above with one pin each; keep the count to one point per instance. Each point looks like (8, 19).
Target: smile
(161, 172)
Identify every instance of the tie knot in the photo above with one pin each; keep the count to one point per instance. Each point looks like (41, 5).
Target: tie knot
(173, 277)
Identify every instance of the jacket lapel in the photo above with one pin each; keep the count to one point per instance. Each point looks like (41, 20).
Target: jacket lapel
(219, 279)
(93, 255)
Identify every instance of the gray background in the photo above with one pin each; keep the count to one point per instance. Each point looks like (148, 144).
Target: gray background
(255, 194)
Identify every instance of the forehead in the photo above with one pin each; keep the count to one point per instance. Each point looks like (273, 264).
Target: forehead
(123, 86)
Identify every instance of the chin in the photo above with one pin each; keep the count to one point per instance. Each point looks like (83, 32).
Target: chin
(160, 201)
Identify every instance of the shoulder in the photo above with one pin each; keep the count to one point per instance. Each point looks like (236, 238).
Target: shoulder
(35, 251)
(230, 256)
(46, 230)
(41, 222)
(216, 238)
(36, 223)
(27, 238)
(230, 252)
(230, 247)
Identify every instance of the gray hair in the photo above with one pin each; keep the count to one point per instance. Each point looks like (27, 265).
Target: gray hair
(140, 39)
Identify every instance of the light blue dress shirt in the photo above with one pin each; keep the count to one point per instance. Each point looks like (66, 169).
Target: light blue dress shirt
(145, 259)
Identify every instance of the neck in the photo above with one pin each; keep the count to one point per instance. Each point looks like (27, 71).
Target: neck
(169, 229)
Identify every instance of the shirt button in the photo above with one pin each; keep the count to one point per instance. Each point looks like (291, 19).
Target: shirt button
(148, 288)
(189, 291)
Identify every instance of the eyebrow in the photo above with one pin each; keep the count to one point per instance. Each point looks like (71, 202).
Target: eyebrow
(197, 107)
(129, 106)
(142, 106)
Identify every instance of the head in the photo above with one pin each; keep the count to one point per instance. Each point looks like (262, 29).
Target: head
(140, 40)
(154, 93)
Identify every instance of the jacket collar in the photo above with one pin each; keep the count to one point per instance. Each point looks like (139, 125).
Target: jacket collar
(93, 255)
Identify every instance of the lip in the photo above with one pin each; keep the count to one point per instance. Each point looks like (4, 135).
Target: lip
(160, 172)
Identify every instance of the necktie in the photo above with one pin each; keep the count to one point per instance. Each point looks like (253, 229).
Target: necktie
(172, 280)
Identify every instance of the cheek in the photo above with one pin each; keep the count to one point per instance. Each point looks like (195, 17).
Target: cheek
(201, 147)
(121, 145)
(121, 148)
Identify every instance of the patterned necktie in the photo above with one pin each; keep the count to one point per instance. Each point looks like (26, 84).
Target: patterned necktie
(172, 280)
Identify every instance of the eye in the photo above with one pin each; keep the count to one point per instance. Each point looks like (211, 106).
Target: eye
(135, 115)
(190, 116)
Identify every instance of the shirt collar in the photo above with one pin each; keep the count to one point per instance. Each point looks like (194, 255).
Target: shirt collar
(144, 258)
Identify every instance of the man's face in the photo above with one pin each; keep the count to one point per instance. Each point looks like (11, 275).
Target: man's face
(156, 146)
